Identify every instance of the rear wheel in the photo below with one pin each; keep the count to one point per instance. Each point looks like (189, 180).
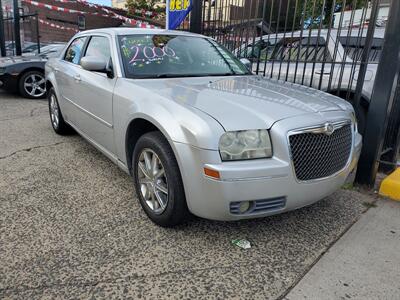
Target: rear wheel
(158, 180)
(32, 85)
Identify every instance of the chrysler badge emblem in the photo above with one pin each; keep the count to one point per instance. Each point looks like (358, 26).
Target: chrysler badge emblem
(329, 129)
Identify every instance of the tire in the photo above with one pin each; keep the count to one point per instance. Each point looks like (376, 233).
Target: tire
(32, 85)
(361, 111)
(164, 209)
(361, 115)
(56, 118)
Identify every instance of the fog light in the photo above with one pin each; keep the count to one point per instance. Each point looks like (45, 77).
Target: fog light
(244, 206)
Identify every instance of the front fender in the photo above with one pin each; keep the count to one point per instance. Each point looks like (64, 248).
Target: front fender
(178, 122)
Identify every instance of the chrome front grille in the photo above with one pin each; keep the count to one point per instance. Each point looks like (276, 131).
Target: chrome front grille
(316, 154)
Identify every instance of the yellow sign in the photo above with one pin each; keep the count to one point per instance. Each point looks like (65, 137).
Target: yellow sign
(176, 5)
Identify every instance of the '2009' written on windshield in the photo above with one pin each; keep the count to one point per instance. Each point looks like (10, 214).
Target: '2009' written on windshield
(146, 53)
(139, 52)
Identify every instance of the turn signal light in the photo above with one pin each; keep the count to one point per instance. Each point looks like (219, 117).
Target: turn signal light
(212, 173)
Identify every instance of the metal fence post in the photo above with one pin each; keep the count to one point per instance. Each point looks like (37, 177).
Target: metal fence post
(17, 29)
(37, 31)
(195, 16)
(389, 158)
(2, 37)
(381, 100)
(364, 62)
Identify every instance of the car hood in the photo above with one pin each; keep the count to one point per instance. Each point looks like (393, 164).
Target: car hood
(6, 61)
(245, 101)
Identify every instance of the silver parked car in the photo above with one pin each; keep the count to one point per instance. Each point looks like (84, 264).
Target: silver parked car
(196, 130)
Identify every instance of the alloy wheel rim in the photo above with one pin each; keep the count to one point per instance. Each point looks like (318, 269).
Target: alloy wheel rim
(35, 85)
(54, 111)
(153, 182)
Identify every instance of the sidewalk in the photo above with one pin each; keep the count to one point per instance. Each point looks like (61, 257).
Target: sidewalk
(363, 264)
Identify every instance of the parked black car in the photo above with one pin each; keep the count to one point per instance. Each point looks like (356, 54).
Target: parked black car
(25, 74)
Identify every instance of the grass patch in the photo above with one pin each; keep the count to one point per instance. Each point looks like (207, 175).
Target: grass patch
(369, 204)
(347, 186)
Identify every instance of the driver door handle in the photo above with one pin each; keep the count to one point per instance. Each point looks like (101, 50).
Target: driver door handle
(77, 78)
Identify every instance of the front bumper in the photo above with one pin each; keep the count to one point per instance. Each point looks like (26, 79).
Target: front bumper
(253, 180)
(8, 82)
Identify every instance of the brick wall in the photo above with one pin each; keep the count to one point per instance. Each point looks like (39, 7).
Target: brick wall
(51, 34)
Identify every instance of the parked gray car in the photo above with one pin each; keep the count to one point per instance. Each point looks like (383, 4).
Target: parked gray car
(25, 74)
(196, 130)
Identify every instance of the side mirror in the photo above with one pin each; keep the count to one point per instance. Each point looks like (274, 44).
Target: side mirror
(246, 62)
(97, 64)
(94, 63)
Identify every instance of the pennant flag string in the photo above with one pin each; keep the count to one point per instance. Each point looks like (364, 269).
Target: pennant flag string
(57, 26)
(109, 13)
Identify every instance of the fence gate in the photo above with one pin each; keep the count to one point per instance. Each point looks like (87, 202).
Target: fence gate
(28, 28)
(331, 45)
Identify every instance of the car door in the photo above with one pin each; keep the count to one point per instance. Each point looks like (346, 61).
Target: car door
(66, 72)
(93, 95)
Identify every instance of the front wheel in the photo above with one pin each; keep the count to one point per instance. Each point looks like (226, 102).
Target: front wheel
(32, 85)
(158, 180)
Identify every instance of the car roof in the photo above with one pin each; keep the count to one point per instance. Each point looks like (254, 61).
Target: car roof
(129, 30)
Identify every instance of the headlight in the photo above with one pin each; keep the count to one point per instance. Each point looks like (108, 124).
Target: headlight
(247, 144)
(354, 121)
(2, 71)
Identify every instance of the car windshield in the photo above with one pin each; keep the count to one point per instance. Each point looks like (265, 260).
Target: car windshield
(164, 56)
(51, 51)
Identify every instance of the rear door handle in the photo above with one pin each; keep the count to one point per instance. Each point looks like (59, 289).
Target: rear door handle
(77, 78)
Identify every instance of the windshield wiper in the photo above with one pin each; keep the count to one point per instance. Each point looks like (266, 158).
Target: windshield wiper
(172, 75)
(167, 75)
(222, 74)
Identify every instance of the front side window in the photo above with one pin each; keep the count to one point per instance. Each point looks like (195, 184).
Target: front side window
(261, 50)
(100, 47)
(74, 51)
(157, 56)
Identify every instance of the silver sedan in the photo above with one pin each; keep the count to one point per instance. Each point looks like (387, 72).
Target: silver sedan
(197, 131)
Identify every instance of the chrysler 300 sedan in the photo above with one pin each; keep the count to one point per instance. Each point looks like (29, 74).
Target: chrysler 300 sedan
(196, 130)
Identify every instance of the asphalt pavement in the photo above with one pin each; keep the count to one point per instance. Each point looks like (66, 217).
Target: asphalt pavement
(71, 227)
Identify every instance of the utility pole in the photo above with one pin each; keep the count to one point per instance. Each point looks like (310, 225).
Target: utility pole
(17, 29)
(2, 37)
(196, 16)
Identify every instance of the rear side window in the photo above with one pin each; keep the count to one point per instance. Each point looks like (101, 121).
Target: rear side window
(99, 47)
(305, 49)
(355, 47)
(74, 50)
